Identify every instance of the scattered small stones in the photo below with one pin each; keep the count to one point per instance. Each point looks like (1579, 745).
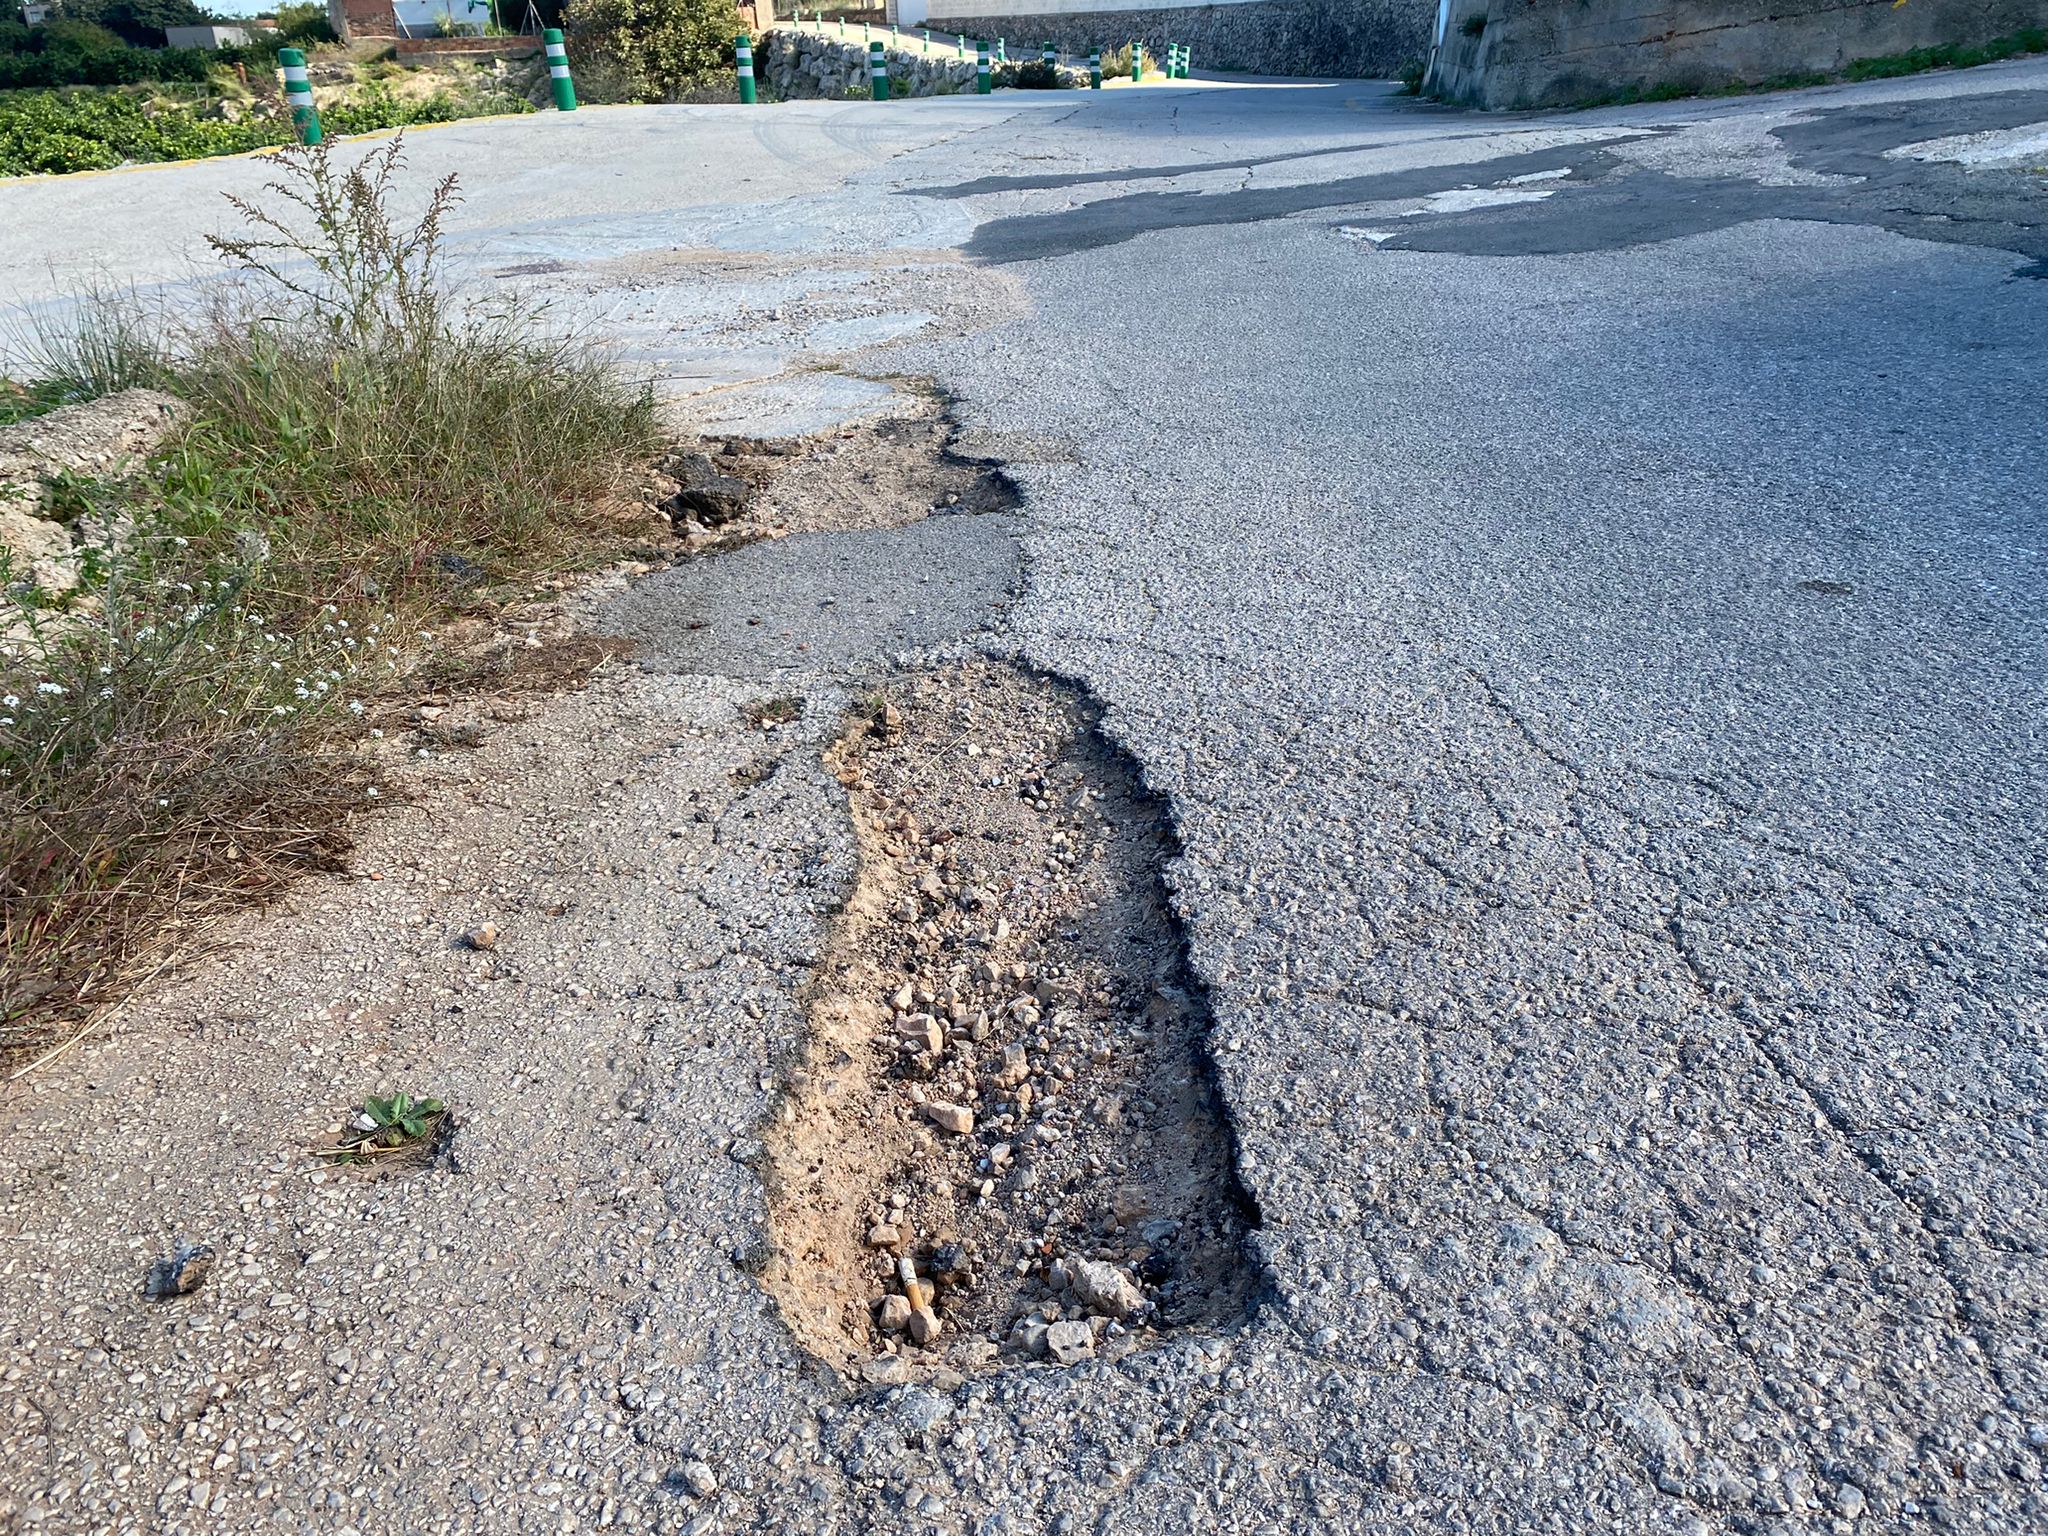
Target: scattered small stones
(180, 1274)
(483, 936)
(1005, 1127)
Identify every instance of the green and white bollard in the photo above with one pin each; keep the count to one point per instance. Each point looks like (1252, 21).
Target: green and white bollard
(878, 71)
(1002, 52)
(960, 46)
(298, 95)
(981, 79)
(743, 56)
(1048, 56)
(558, 69)
(1094, 69)
(1137, 62)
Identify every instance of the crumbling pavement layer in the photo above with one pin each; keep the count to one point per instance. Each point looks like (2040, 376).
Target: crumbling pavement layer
(1002, 1142)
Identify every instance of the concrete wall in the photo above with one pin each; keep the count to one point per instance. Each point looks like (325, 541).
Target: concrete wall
(1544, 53)
(1370, 39)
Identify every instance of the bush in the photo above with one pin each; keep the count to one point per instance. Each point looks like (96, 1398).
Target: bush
(52, 132)
(1116, 62)
(1035, 76)
(138, 22)
(361, 454)
(59, 131)
(72, 52)
(304, 25)
(654, 49)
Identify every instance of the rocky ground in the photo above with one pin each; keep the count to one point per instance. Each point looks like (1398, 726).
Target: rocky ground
(1004, 1125)
(46, 535)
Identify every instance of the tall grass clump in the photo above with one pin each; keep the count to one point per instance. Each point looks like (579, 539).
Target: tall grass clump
(110, 342)
(365, 455)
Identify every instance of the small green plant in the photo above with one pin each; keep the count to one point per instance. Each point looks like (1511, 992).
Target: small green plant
(1411, 78)
(398, 1119)
(106, 343)
(385, 1126)
(765, 714)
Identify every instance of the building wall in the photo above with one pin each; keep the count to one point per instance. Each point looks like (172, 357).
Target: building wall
(1544, 53)
(1354, 39)
(206, 37)
(352, 19)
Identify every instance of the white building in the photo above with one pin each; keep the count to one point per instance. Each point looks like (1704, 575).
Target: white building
(206, 37)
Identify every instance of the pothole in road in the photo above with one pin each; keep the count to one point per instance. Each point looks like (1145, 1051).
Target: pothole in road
(1002, 1143)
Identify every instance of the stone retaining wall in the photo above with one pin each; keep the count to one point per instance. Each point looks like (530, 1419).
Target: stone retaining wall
(1555, 53)
(797, 65)
(1349, 39)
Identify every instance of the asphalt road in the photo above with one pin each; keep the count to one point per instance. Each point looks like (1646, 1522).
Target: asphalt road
(1577, 581)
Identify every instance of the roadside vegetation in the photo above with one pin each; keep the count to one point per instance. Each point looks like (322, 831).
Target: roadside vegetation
(54, 132)
(1889, 66)
(364, 459)
(651, 50)
(82, 94)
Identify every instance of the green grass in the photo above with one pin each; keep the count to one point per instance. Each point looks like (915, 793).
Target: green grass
(1890, 66)
(1950, 56)
(363, 463)
(22, 402)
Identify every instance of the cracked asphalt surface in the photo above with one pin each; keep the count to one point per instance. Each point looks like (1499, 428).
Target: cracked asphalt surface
(1576, 580)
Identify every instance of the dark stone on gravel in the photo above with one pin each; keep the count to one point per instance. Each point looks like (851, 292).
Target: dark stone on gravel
(710, 497)
(181, 1274)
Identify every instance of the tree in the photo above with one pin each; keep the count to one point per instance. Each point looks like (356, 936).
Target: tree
(658, 48)
(139, 23)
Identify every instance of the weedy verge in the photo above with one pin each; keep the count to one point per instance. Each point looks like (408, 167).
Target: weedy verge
(365, 461)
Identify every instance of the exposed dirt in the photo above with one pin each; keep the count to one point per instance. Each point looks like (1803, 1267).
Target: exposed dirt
(882, 475)
(877, 474)
(1003, 1119)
